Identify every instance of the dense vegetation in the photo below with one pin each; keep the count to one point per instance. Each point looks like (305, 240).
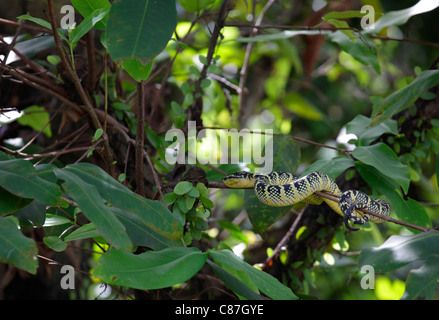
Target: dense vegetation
(99, 198)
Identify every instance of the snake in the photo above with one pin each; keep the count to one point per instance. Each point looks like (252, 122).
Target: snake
(280, 189)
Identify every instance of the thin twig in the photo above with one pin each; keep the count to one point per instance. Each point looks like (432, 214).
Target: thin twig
(246, 61)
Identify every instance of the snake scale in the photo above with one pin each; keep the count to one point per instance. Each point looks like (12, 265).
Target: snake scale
(281, 189)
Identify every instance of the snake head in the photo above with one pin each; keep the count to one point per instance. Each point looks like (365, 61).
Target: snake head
(240, 180)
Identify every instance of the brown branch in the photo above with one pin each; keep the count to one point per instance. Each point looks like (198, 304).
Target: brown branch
(140, 136)
(194, 111)
(108, 157)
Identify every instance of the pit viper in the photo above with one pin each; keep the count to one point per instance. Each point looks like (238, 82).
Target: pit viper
(279, 189)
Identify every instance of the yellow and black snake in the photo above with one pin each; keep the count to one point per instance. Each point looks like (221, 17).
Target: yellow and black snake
(281, 189)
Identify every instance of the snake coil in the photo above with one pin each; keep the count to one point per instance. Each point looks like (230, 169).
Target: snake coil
(279, 189)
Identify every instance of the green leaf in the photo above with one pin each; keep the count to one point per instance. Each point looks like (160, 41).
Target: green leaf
(36, 117)
(55, 243)
(332, 167)
(195, 5)
(264, 281)
(140, 28)
(42, 23)
(183, 187)
(365, 133)
(407, 210)
(207, 202)
(93, 207)
(423, 280)
(140, 234)
(384, 159)
(405, 97)
(150, 270)
(137, 70)
(170, 198)
(345, 28)
(363, 50)
(398, 251)
(87, 231)
(302, 107)
(19, 177)
(88, 23)
(97, 135)
(233, 282)
(202, 189)
(15, 248)
(154, 214)
(87, 7)
(54, 220)
(10, 202)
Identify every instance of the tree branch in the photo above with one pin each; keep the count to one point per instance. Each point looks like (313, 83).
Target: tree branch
(108, 157)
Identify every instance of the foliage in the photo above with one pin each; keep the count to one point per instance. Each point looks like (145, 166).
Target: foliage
(163, 64)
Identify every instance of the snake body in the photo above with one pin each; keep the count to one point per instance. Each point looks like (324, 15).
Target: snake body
(281, 189)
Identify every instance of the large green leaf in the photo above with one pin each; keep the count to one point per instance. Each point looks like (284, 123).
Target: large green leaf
(286, 157)
(140, 234)
(423, 280)
(19, 177)
(15, 248)
(332, 167)
(405, 97)
(150, 270)
(398, 251)
(264, 281)
(154, 214)
(89, 21)
(93, 207)
(367, 134)
(407, 210)
(140, 28)
(363, 49)
(384, 159)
